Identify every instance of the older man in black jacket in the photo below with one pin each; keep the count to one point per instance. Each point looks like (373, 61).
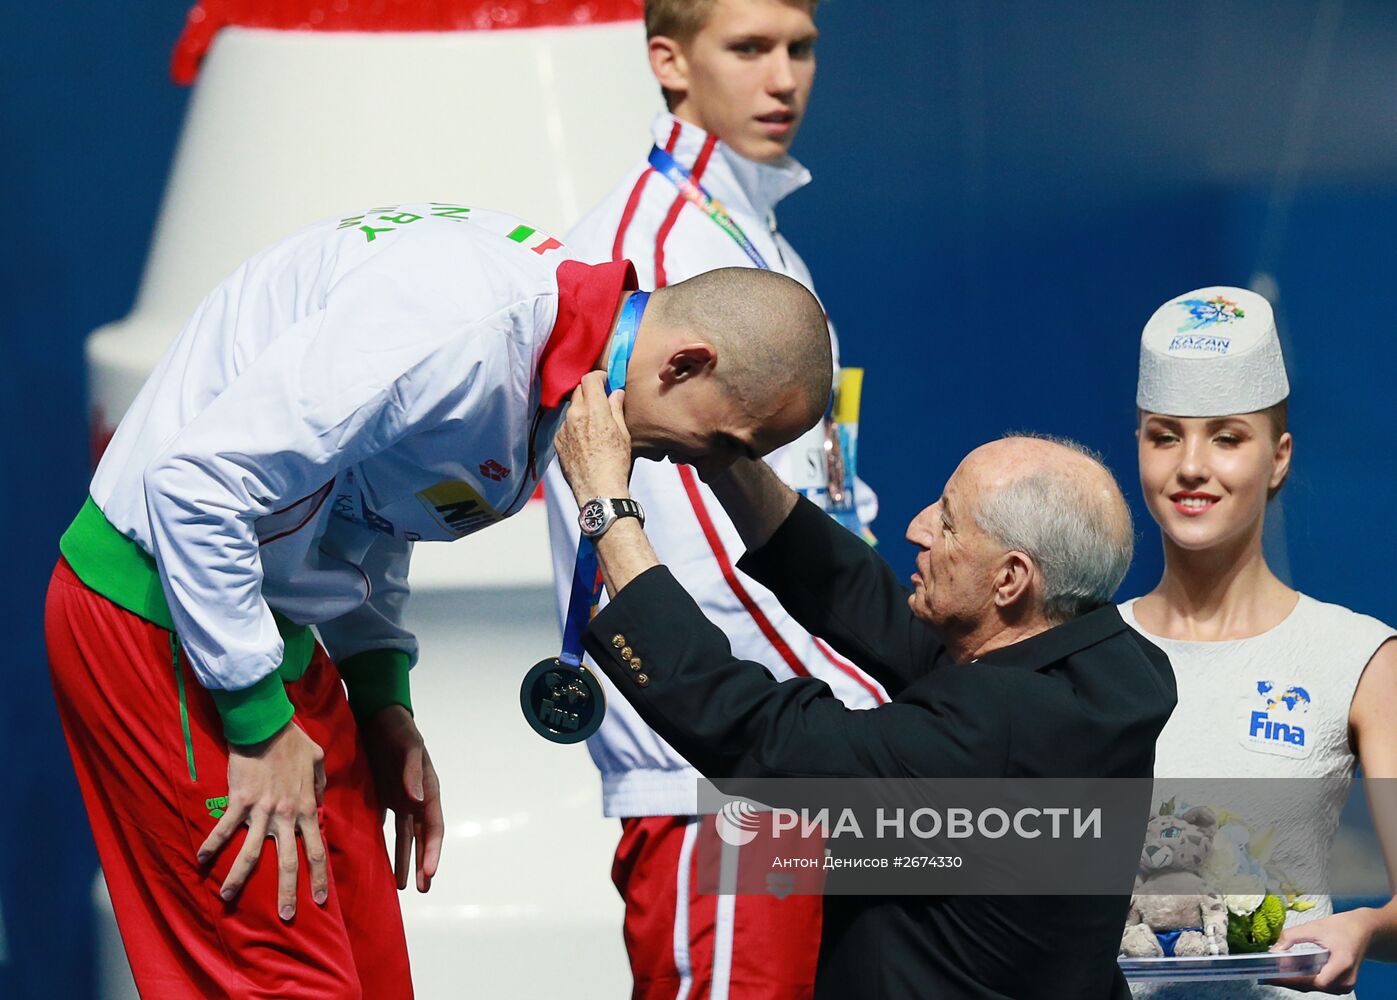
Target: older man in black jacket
(1006, 661)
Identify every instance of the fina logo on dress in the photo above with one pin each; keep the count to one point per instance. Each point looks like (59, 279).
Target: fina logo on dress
(1277, 718)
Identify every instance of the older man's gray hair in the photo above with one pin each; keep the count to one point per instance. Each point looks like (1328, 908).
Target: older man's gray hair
(1075, 528)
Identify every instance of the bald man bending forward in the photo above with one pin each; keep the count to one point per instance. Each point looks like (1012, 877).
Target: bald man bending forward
(1008, 631)
(367, 384)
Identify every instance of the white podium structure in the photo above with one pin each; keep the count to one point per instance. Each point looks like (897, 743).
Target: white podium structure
(286, 127)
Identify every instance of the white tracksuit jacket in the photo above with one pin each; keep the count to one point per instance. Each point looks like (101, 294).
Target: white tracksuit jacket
(365, 384)
(644, 220)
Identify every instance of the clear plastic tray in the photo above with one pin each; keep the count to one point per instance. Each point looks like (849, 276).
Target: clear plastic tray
(1303, 959)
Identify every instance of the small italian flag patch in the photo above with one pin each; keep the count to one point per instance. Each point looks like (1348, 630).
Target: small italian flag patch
(539, 243)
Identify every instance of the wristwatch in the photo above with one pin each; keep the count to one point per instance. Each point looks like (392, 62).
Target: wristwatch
(598, 514)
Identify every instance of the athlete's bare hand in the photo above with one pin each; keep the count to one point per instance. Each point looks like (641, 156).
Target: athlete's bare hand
(274, 788)
(407, 784)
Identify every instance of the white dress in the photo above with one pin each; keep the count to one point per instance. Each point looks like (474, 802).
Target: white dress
(1273, 706)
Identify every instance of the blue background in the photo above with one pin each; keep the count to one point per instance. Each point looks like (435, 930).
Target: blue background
(1005, 191)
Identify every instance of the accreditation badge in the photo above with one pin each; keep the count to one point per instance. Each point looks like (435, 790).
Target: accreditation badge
(807, 470)
(842, 449)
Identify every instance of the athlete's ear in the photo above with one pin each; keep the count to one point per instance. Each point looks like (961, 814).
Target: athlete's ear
(670, 67)
(688, 362)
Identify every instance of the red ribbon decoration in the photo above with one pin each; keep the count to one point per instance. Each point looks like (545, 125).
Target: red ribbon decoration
(208, 16)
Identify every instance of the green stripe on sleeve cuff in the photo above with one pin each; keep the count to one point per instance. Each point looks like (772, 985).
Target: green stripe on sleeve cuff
(255, 713)
(375, 680)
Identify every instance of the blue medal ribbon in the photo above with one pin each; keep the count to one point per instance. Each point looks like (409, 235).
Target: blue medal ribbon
(586, 580)
(623, 340)
(694, 193)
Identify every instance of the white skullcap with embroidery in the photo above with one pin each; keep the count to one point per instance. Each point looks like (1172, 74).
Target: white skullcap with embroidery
(1211, 353)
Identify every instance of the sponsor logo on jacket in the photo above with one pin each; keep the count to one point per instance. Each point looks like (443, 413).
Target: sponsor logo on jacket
(457, 507)
(493, 470)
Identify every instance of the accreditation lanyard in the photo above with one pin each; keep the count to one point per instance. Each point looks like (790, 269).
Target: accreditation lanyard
(694, 193)
(839, 460)
(586, 580)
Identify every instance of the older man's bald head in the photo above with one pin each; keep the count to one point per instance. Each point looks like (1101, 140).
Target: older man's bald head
(1056, 502)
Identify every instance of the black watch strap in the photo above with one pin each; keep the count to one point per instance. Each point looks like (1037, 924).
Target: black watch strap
(626, 507)
(598, 514)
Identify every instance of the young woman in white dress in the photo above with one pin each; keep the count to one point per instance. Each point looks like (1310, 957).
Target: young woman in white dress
(1272, 683)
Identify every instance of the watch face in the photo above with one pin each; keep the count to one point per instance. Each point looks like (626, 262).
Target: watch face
(592, 517)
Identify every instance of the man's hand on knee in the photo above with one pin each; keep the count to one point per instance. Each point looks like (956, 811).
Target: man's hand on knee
(274, 788)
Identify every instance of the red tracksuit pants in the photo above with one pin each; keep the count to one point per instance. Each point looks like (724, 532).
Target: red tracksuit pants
(152, 784)
(687, 943)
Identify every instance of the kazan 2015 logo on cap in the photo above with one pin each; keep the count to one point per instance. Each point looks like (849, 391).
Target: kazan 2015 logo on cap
(738, 822)
(1204, 313)
(1275, 719)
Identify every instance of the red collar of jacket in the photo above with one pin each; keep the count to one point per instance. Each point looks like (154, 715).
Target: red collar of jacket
(588, 298)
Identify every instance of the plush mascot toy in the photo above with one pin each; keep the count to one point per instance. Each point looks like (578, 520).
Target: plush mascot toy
(1171, 911)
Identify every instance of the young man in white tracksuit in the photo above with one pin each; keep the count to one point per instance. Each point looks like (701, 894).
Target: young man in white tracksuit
(390, 377)
(736, 76)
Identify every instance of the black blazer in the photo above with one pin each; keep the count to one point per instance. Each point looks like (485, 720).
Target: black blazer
(1084, 699)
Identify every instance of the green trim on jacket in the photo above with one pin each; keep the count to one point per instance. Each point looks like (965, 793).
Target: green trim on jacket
(375, 680)
(120, 570)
